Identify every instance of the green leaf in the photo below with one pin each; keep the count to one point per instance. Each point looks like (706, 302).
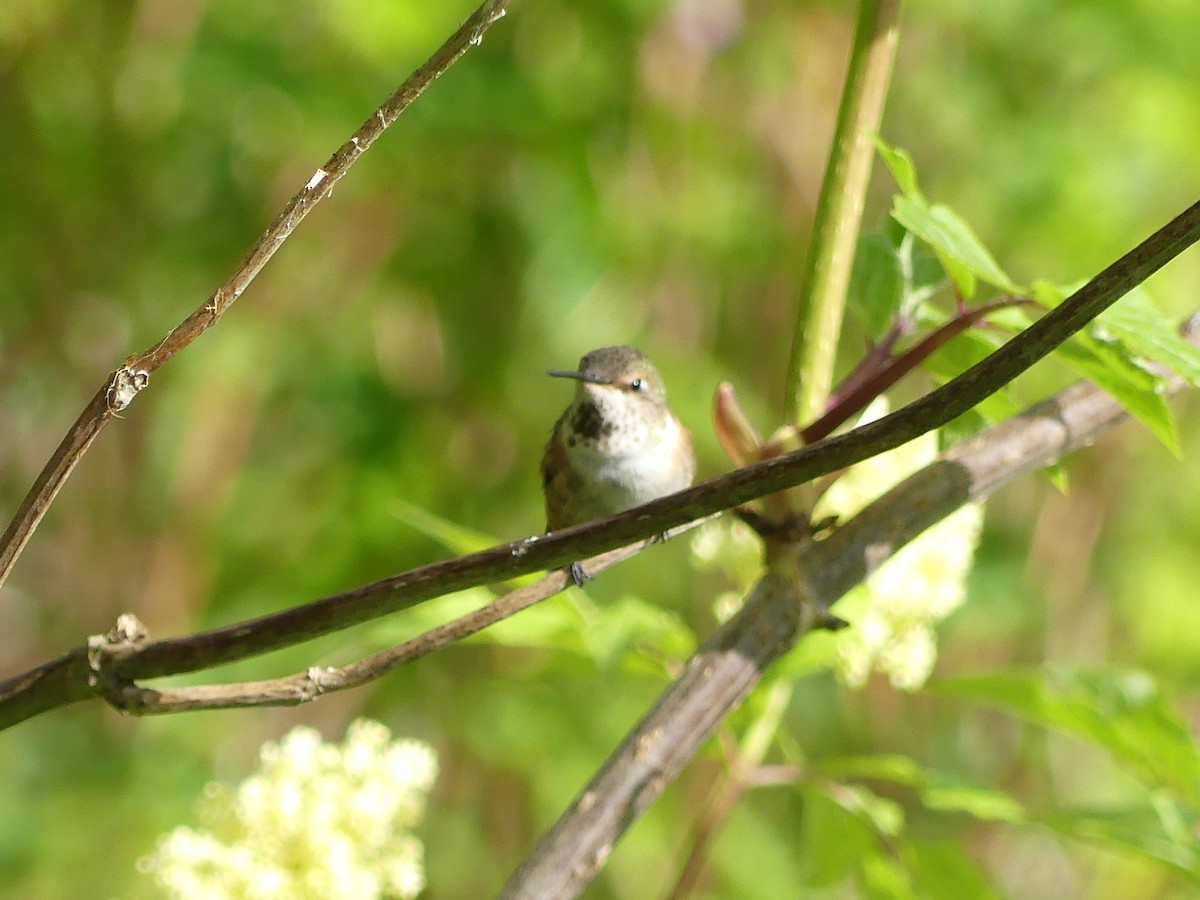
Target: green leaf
(886, 817)
(942, 870)
(1110, 366)
(959, 249)
(901, 166)
(628, 634)
(1138, 324)
(1124, 713)
(936, 791)
(876, 284)
(964, 351)
(1135, 830)
(985, 804)
(451, 535)
(926, 275)
(815, 652)
(878, 767)
(621, 633)
(1112, 350)
(885, 878)
(832, 840)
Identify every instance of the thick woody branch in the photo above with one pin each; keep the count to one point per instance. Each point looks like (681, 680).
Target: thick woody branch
(126, 382)
(791, 600)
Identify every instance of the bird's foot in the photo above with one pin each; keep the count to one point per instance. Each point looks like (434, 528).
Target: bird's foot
(579, 575)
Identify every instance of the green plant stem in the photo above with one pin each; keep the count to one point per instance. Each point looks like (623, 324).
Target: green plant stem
(839, 211)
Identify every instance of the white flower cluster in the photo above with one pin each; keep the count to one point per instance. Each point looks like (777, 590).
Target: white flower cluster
(895, 610)
(317, 820)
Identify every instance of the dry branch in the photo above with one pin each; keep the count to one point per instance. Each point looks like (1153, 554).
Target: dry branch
(123, 385)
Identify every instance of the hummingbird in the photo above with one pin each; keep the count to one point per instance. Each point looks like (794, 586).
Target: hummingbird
(617, 445)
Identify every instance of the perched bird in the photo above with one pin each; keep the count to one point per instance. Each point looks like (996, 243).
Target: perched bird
(618, 444)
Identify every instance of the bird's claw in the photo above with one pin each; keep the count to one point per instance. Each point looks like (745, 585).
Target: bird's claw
(579, 575)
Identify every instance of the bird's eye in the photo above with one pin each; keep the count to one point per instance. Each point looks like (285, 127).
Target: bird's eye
(636, 384)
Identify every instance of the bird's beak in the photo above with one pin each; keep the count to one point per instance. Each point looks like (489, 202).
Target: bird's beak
(578, 376)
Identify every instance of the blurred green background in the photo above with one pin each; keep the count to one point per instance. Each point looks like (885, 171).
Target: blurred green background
(596, 172)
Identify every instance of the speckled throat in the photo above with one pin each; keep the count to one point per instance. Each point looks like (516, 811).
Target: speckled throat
(617, 445)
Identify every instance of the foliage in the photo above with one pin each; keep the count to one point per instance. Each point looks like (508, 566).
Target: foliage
(594, 173)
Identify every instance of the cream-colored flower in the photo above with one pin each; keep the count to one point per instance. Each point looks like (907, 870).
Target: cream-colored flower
(895, 611)
(317, 820)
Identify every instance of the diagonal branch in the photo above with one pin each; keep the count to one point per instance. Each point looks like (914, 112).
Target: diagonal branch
(316, 681)
(125, 383)
(770, 476)
(66, 679)
(791, 600)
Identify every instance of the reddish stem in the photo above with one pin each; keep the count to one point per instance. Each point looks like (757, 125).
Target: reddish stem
(863, 385)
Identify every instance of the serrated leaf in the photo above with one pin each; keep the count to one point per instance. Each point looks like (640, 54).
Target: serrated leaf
(1136, 322)
(959, 249)
(1124, 713)
(876, 284)
(1110, 366)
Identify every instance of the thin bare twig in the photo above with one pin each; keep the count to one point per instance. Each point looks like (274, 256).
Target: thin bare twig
(303, 687)
(123, 385)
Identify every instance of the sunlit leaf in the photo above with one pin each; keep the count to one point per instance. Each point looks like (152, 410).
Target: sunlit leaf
(957, 246)
(981, 803)
(1148, 333)
(883, 877)
(880, 767)
(964, 351)
(1125, 713)
(817, 651)
(901, 166)
(1111, 367)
